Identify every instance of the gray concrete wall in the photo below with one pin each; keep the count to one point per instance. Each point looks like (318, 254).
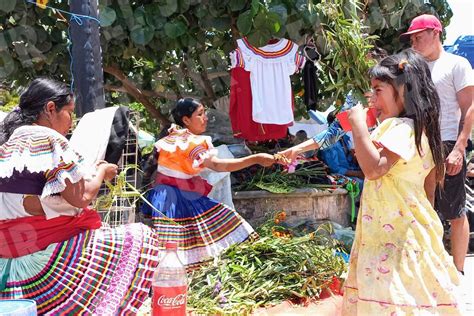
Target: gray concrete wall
(254, 206)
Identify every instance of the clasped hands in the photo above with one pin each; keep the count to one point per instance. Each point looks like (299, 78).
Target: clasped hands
(357, 116)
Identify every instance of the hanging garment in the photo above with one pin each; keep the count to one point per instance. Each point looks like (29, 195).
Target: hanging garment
(240, 109)
(270, 68)
(91, 135)
(310, 80)
(118, 135)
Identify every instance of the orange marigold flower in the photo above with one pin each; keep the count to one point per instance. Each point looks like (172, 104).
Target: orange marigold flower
(280, 216)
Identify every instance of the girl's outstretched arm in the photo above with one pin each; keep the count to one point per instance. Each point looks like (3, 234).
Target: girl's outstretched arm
(234, 164)
(292, 152)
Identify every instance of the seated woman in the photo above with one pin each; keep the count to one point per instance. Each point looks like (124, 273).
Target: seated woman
(179, 205)
(52, 248)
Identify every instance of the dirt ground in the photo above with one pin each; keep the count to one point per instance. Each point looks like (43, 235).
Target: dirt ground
(330, 306)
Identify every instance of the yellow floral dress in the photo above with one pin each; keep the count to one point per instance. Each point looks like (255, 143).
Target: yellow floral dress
(398, 263)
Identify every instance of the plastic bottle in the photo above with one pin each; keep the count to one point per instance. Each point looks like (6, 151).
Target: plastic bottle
(169, 285)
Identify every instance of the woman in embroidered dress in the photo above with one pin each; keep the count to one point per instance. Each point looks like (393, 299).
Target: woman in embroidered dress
(52, 249)
(398, 263)
(180, 208)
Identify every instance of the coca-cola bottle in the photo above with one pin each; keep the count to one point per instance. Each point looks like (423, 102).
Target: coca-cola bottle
(169, 285)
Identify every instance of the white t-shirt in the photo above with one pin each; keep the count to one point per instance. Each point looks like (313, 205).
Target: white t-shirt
(450, 74)
(270, 68)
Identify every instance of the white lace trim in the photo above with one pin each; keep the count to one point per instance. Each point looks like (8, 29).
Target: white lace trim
(16, 155)
(203, 156)
(181, 138)
(59, 183)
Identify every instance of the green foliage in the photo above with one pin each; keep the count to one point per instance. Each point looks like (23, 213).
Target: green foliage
(266, 272)
(147, 122)
(183, 45)
(7, 6)
(107, 16)
(389, 18)
(346, 62)
(8, 100)
(278, 180)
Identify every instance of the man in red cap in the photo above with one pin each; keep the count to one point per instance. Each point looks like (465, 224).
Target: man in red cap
(454, 81)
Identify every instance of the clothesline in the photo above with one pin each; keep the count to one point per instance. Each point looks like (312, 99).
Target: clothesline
(77, 18)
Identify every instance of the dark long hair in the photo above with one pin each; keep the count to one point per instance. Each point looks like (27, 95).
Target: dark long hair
(421, 101)
(32, 103)
(184, 107)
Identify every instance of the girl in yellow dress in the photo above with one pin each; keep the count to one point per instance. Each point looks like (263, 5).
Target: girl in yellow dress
(398, 263)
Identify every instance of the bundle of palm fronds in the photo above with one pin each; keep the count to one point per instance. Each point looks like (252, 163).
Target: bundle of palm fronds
(266, 271)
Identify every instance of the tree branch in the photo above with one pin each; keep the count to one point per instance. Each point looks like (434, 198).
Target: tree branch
(215, 75)
(234, 30)
(207, 85)
(148, 93)
(138, 94)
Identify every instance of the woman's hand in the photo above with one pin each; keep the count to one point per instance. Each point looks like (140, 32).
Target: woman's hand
(100, 162)
(110, 170)
(289, 155)
(265, 160)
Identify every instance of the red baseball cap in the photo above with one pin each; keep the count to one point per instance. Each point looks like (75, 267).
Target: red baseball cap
(421, 23)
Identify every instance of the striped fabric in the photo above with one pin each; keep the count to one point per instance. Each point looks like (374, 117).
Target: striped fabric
(183, 152)
(299, 61)
(202, 227)
(197, 152)
(269, 55)
(40, 149)
(237, 59)
(104, 272)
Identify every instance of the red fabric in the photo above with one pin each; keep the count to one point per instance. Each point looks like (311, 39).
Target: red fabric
(194, 184)
(27, 235)
(240, 111)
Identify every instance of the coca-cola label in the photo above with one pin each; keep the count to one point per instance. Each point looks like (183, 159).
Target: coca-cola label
(169, 301)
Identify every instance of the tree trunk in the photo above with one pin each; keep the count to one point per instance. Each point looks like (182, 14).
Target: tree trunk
(87, 67)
